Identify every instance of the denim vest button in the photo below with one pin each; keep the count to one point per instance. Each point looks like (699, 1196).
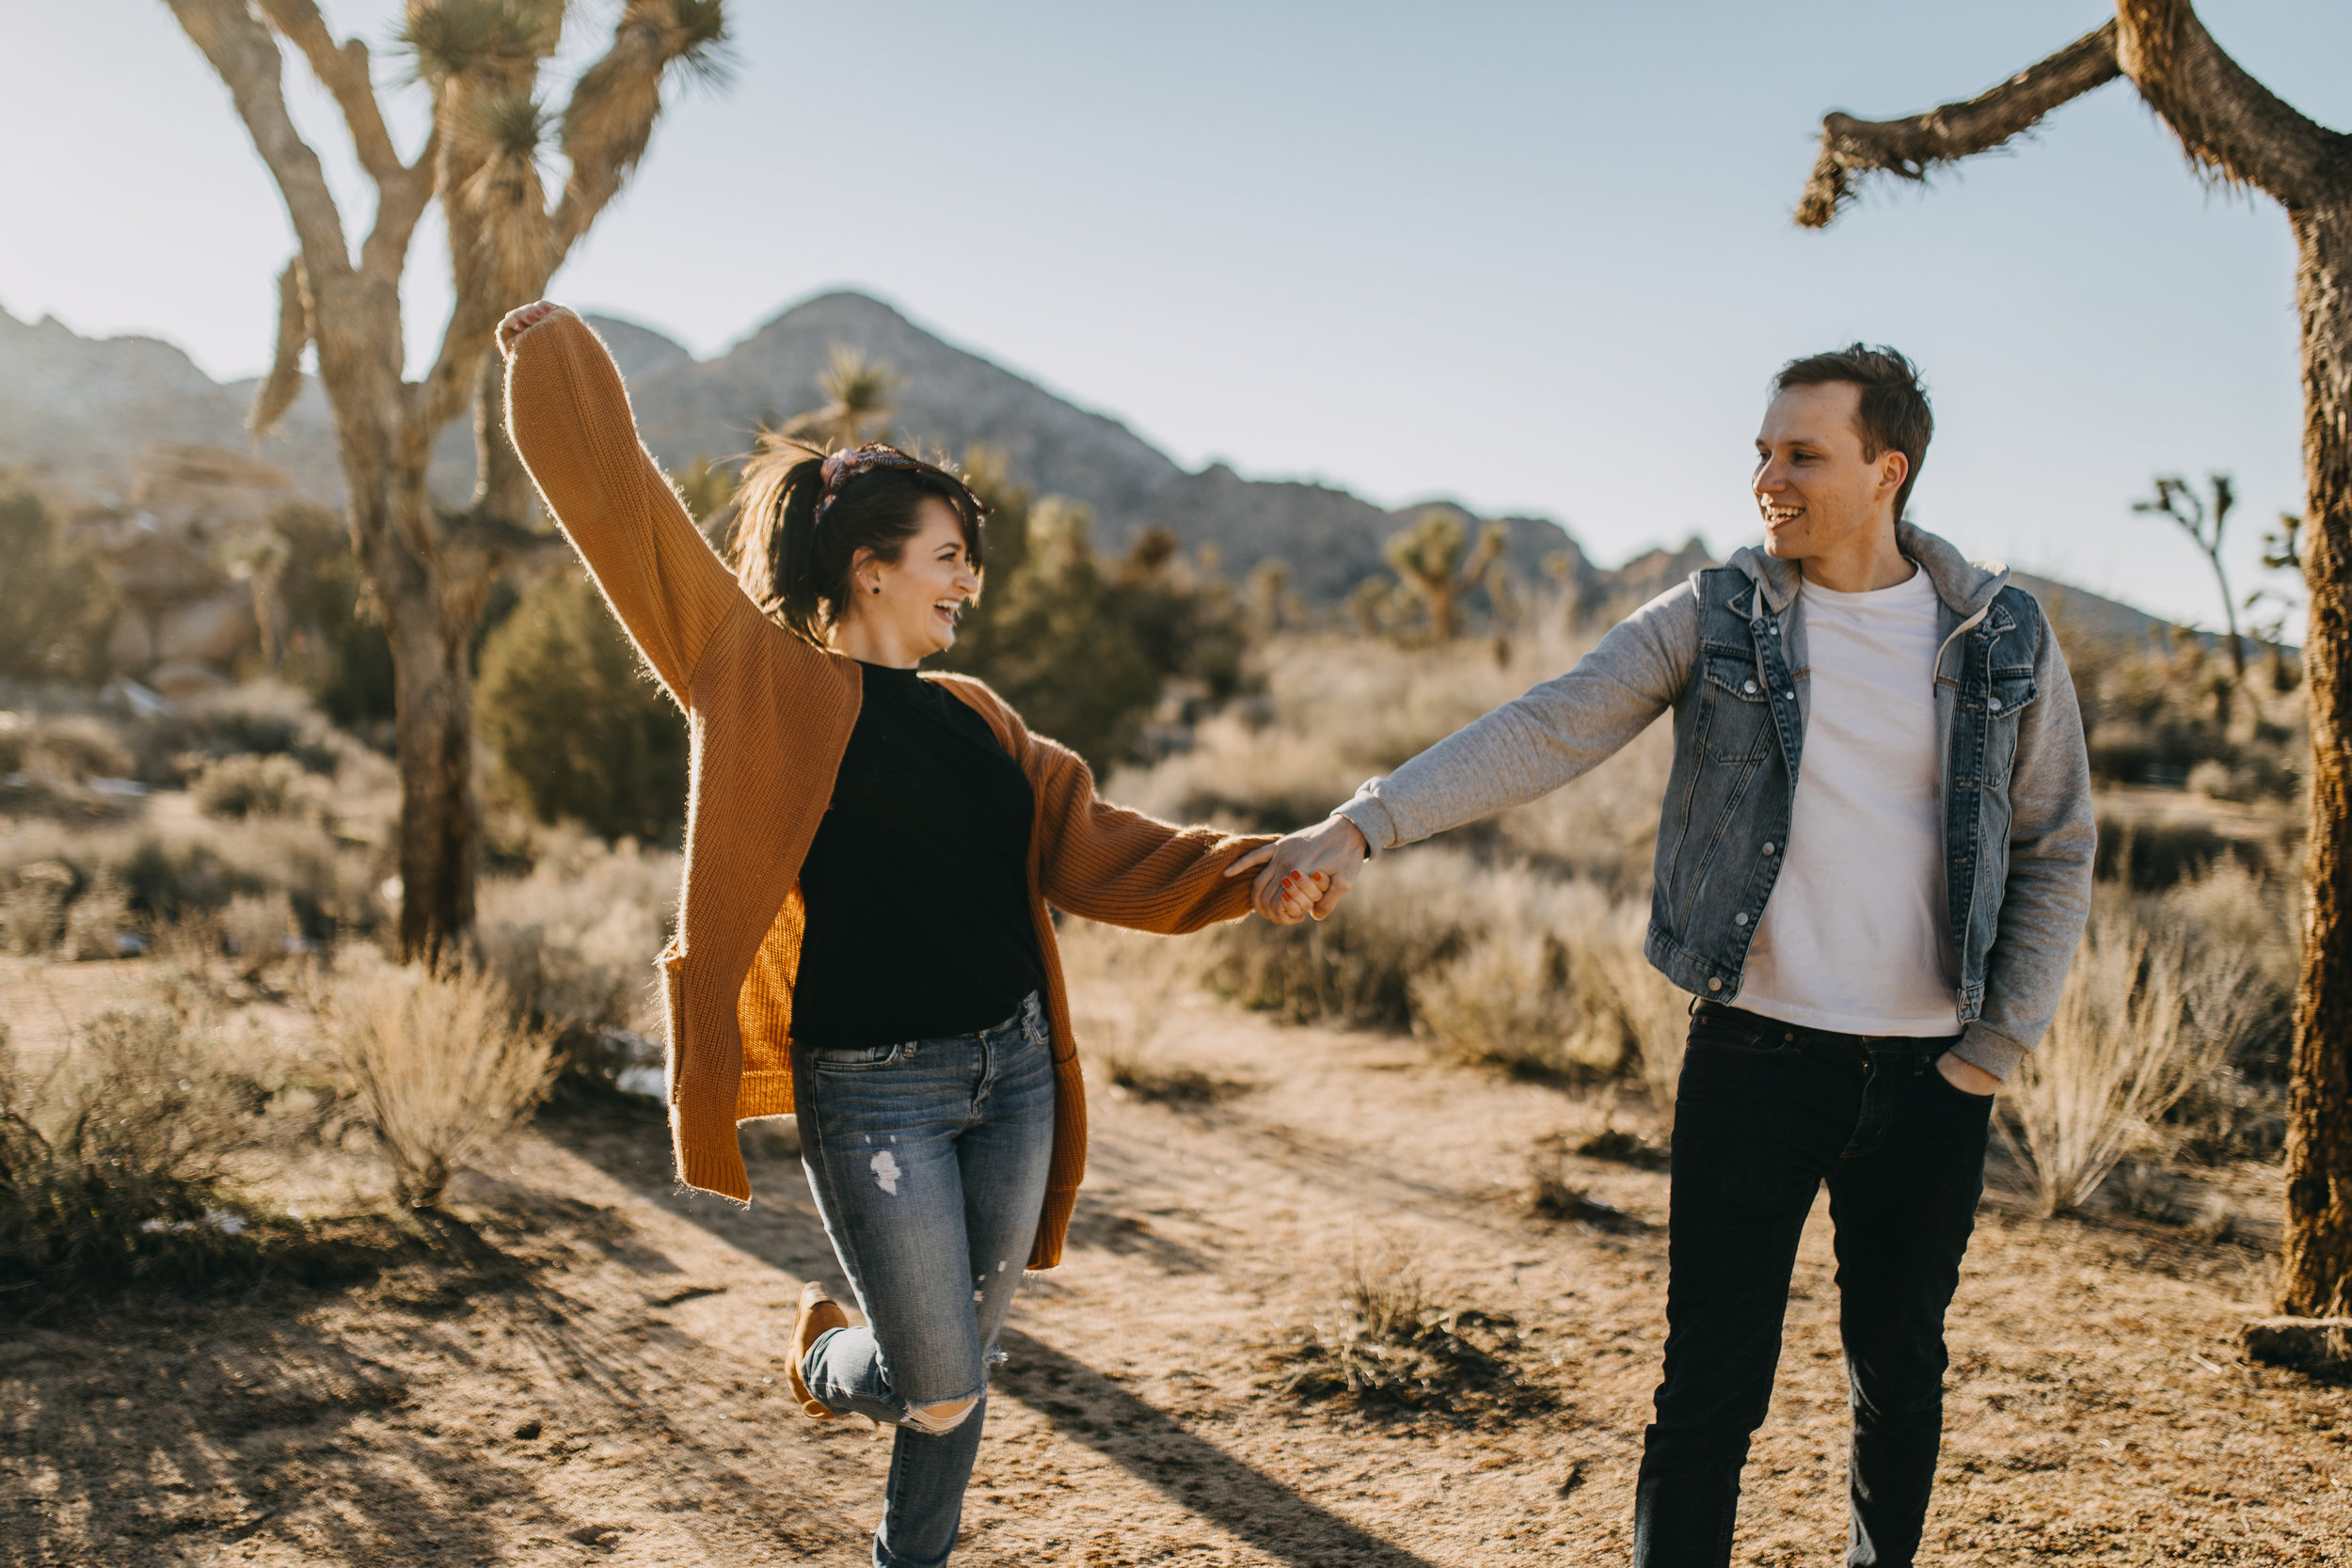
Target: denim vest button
(1739, 919)
(1768, 846)
(1748, 687)
(1715, 985)
(1994, 703)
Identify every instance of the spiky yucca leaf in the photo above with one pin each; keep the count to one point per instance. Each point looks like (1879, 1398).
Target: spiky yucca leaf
(510, 123)
(454, 38)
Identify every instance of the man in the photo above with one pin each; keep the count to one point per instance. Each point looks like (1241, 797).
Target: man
(1873, 866)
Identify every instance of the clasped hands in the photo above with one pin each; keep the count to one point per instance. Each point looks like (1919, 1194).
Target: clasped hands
(1306, 873)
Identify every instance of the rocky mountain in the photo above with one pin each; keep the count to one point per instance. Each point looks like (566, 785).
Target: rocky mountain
(952, 399)
(80, 417)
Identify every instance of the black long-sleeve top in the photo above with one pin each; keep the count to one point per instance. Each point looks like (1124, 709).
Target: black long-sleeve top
(917, 886)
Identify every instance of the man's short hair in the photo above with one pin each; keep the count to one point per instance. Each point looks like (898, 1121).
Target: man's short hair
(1893, 412)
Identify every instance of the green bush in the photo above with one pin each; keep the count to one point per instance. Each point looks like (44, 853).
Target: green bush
(56, 608)
(336, 647)
(579, 729)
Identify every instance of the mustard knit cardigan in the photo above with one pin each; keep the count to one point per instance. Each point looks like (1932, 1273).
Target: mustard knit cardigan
(769, 716)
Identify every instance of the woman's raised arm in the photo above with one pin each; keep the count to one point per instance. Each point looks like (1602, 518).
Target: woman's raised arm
(569, 417)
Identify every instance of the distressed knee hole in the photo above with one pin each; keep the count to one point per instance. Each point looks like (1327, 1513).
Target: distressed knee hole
(937, 1421)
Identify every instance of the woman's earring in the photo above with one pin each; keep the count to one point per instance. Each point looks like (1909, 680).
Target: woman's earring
(877, 588)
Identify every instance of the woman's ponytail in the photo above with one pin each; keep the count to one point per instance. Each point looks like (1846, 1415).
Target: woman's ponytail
(775, 535)
(797, 535)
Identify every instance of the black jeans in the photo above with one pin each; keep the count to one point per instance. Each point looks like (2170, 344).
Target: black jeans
(1766, 1112)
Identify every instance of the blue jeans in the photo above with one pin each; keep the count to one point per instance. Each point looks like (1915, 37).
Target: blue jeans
(927, 1161)
(1766, 1112)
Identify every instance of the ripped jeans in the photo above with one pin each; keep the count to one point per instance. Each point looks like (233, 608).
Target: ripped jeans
(927, 1161)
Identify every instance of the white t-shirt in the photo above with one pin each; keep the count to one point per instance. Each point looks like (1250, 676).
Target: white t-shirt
(1852, 938)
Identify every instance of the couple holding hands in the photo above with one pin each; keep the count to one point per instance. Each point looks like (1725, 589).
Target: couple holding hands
(865, 936)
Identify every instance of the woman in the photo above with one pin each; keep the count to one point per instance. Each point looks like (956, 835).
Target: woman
(864, 935)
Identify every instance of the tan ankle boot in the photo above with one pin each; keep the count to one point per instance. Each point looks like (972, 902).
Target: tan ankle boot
(820, 1314)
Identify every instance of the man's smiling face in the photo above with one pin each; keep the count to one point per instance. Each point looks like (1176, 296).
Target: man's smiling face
(1815, 490)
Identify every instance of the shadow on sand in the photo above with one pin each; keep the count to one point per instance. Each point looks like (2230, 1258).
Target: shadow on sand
(1081, 1403)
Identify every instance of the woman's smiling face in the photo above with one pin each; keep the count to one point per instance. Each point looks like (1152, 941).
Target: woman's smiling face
(907, 608)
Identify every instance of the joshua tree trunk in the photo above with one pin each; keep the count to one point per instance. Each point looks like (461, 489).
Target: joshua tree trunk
(2315, 1275)
(431, 570)
(2233, 126)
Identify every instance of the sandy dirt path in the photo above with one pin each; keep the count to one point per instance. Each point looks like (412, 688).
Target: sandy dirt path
(589, 1372)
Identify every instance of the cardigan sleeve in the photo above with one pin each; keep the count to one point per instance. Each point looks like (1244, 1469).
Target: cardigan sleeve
(1106, 863)
(570, 417)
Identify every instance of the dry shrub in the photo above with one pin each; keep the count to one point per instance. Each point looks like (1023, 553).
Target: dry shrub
(115, 1161)
(1526, 991)
(172, 870)
(443, 1065)
(97, 924)
(574, 943)
(1388, 1349)
(1412, 913)
(61, 748)
(66, 766)
(32, 906)
(1653, 1011)
(257, 930)
(2148, 1012)
(243, 786)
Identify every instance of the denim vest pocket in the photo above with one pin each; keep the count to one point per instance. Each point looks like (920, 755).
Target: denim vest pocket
(1736, 725)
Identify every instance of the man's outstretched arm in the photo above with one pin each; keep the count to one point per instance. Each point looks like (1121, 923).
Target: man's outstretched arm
(1522, 751)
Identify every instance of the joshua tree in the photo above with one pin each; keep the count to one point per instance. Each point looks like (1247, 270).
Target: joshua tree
(429, 568)
(2175, 498)
(1428, 558)
(2238, 133)
(858, 393)
(1268, 582)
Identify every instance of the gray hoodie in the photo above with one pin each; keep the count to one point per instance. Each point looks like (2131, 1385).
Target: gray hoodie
(1726, 653)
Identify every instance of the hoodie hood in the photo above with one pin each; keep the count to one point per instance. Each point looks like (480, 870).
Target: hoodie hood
(1965, 587)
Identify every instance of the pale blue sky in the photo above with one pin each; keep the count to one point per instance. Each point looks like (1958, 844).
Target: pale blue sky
(1537, 257)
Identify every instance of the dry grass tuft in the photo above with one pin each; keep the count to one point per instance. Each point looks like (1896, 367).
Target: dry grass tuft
(1552, 1195)
(442, 1063)
(1621, 1147)
(2148, 1014)
(1391, 1351)
(115, 1161)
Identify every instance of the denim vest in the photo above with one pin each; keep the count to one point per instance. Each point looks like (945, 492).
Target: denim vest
(1738, 741)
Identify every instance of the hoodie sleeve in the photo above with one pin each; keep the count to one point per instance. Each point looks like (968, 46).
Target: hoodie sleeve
(1534, 744)
(2052, 840)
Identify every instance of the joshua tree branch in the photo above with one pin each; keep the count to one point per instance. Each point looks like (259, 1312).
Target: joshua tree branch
(1910, 147)
(2227, 122)
(616, 102)
(276, 394)
(343, 71)
(399, 205)
(242, 50)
